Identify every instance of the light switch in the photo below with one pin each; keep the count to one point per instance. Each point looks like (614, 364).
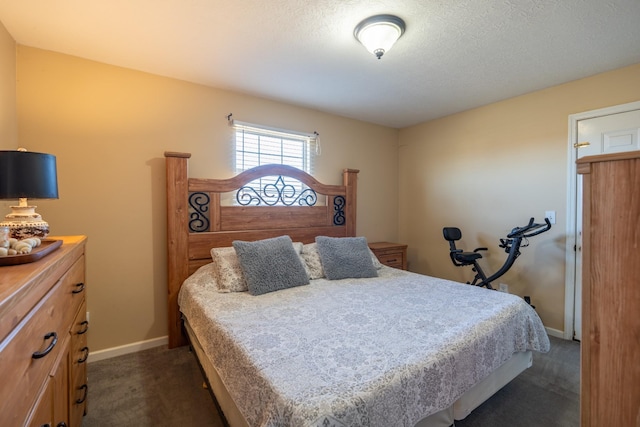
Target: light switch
(551, 215)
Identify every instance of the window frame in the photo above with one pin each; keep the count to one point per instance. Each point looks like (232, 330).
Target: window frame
(265, 145)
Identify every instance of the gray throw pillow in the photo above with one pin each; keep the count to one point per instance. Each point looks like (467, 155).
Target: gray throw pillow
(345, 257)
(270, 265)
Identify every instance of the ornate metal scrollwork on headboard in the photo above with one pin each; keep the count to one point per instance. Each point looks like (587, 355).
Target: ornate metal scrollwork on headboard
(198, 212)
(272, 194)
(339, 203)
(278, 193)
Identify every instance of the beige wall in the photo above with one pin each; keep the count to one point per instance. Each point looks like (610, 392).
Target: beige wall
(489, 169)
(109, 128)
(8, 118)
(484, 170)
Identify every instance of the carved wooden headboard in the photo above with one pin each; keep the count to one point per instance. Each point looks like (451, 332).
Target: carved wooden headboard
(198, 220)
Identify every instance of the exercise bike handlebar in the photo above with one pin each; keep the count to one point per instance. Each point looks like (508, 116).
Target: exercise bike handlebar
(530, 230)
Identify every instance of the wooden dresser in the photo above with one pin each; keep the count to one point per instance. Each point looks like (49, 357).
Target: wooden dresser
(610, 348)
(391, 254)
(43, 341)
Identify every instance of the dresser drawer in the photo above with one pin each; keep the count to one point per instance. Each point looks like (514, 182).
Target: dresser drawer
(74, 285)
(42, 411)
(79, 330)
(79, 354)
(28, 354)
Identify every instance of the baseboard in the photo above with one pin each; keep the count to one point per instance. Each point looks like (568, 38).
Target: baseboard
(108, 353)
(554, 332)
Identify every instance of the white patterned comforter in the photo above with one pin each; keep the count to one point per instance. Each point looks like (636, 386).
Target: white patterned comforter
(378, 352)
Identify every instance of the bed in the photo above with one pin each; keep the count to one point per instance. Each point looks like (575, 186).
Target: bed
(393, 349)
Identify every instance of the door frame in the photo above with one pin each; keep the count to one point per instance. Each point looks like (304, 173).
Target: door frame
(572, 207)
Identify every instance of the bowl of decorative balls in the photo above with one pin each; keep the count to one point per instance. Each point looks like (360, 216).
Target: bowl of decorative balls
(14, 251)
(21, 247)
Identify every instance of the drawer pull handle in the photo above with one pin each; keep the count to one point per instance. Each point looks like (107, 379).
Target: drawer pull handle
(62, 424)
(86, 392)
(392, 260)
(84, 323)
(86, 355)
(43, 353)
(46, 425)
(79, 288)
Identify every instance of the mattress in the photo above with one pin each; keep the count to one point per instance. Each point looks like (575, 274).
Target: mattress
(385, 351)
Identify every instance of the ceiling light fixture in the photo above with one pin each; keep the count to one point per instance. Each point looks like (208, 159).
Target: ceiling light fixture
(378, 33)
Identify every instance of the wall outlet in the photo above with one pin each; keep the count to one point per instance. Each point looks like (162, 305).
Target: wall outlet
(551, 215)
(503, 287)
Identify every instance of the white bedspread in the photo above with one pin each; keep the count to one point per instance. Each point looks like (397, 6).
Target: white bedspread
(379, 352)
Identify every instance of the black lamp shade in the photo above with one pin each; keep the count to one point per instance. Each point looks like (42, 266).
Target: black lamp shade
(25, 174)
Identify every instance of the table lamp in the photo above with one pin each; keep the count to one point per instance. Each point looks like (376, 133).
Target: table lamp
(27, 175)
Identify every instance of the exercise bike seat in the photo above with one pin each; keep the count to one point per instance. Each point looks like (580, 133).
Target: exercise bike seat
(458, 256)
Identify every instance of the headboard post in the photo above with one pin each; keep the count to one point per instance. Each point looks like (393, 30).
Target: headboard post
(350, 180)
(177, 239)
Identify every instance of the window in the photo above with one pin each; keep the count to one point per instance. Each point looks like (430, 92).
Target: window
(256, 145)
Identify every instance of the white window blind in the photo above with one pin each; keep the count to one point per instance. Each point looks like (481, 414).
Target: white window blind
(257, 145)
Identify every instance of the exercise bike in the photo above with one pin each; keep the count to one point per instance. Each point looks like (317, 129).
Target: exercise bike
(516, 239)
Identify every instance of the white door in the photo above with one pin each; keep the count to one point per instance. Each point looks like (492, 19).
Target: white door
(612, 133)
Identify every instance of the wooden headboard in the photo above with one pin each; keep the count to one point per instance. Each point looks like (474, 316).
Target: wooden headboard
(197, 220)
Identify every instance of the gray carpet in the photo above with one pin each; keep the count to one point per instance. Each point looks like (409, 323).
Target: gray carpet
(156, 387)
(161, 387)
(547, 394)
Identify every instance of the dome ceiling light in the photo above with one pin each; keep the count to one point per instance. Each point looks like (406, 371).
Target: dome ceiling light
(378, 33)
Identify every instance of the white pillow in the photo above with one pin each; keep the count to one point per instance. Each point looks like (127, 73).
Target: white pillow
(227, 269)
(312, 262)
(204, 277)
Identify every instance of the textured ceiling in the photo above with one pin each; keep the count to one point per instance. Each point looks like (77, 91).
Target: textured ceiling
(454, 55)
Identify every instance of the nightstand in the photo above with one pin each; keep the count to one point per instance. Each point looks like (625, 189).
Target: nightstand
(390, 254)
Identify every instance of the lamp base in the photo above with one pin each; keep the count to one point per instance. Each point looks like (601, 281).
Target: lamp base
(24, 222)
